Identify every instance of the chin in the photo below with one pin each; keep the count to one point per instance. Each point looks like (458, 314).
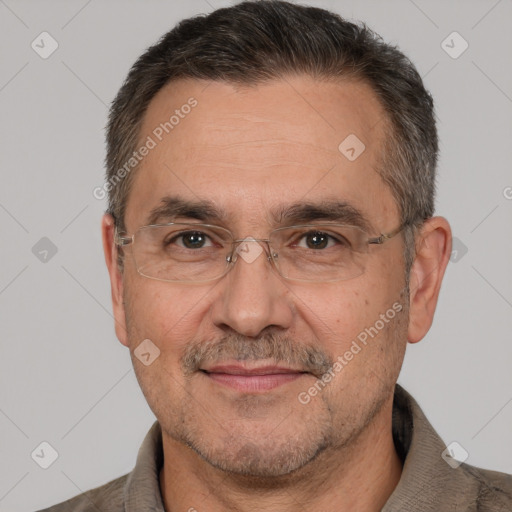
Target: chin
(268, 459)
(257, 448)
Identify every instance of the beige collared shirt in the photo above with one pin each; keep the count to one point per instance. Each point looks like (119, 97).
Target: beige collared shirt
(428, 483)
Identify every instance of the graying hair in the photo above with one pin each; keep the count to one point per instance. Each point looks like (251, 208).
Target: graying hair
(256, 41)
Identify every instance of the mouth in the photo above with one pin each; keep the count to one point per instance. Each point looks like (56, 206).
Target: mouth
(251, 380)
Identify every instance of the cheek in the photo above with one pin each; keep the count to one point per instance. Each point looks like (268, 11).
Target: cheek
(166, 314)
(335, 311)
(338, 313)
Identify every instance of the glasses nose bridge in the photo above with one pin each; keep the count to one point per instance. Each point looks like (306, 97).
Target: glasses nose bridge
(235, 252)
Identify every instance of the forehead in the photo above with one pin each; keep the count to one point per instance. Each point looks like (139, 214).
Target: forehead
(251, 150)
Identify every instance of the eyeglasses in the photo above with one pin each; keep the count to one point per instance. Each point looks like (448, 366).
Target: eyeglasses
(193, 253)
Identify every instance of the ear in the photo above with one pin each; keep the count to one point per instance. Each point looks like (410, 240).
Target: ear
(433, 250)
(116, 277)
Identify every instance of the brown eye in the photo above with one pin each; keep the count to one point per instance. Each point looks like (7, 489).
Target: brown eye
(317, 240)
(190, 240)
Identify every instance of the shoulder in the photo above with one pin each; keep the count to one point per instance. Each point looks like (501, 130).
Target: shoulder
(107, 498)
(137, 490)
(428, 482)
(490, 490)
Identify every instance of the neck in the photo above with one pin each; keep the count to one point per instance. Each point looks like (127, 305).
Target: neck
(360, 476)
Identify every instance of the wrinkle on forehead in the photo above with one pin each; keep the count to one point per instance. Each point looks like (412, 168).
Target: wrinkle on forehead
(265, 144)
(257, 155)
(228, 110)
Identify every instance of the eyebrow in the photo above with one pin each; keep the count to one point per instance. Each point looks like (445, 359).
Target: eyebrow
(173, 207)
(338, 211)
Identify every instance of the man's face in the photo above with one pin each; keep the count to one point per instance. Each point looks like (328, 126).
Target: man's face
(251, 152)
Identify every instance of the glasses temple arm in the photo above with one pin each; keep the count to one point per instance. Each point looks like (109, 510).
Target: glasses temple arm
(386, 236)
(120, 240)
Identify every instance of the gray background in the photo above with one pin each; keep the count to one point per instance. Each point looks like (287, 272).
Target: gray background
(64, 377)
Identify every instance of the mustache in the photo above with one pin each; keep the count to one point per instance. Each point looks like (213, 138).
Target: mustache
(278, 348)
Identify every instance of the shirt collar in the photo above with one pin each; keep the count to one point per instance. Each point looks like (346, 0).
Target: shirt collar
(142, 487)
(428, 483)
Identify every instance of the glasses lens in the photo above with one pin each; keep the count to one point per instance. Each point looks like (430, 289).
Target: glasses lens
(320, 252)
(198, 252)
(181, 252)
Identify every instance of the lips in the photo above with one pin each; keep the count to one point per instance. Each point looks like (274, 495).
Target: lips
(233, 369)
(256, 379)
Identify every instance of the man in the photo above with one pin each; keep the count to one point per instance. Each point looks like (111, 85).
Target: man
(272, 248)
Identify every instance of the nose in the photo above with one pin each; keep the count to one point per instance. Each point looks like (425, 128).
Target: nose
(252, 296)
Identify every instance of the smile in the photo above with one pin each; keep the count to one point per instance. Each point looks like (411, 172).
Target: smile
(252, 380)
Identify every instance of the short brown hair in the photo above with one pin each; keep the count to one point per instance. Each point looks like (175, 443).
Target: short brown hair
(257, 41)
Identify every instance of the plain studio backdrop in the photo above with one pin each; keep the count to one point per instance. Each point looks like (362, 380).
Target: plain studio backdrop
(65, 379)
